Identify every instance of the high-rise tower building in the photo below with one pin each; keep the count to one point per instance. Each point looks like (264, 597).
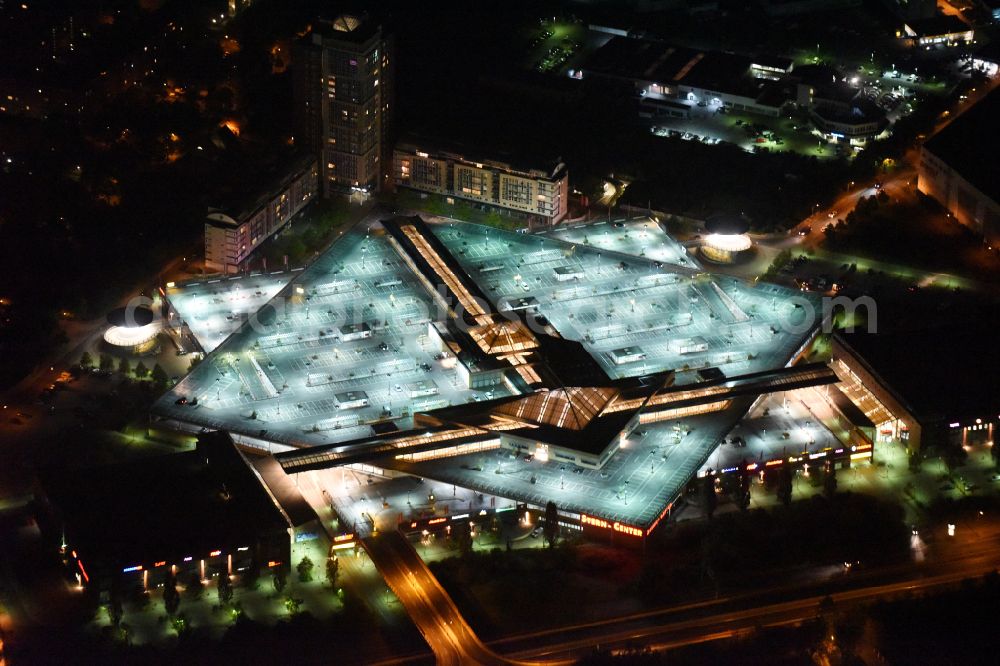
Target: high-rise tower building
(343, 95)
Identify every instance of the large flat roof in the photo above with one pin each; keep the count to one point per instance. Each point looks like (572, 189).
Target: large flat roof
(664, 63)
(276, 378)
(166, 508)
(941, 372)
(964, 145)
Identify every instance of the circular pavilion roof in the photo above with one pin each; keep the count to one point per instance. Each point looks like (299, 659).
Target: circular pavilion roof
(131, 317)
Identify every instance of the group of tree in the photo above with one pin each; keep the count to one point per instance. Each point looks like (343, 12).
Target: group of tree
(107, 364)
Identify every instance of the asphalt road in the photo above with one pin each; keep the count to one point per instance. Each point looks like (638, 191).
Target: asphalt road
(735, 623)
(974, 551)
(432, 610)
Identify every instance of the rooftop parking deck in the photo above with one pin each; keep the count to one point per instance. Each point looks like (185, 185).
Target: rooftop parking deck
(279, 376)
(634, 487)
(213, 308)
(682, 319)
(641, 237)
(345, 346)
(789, 423)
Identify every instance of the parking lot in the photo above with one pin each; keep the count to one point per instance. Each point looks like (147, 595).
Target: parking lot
(780, 425)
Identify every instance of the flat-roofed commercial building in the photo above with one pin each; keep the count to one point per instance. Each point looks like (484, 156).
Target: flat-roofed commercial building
(343, 85)
(959, 169)
(201, 513)
(661, 71)
(233, 232)
(943, 29)
(925, 388)
(541, 195)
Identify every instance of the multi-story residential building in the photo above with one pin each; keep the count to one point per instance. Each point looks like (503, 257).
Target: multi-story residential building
(541, 196)
(343, 88)
(232, 233)
(958, 168)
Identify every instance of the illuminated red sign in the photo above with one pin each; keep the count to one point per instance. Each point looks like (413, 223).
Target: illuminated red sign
(435, 521)
(615, 526)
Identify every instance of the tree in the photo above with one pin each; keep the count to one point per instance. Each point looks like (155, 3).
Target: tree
(708, 493)
(86, 360)
(124, 367)
(551, 527)
(280, 579)
(171, 597)
(743, 500)
(195, 360)
(251, 577)
(829, 479)
(114, 607)
(195, 587)
(332, 571)
(785, 484)
(107, 363)
(462, 538)
(159, 375)
(305, 569)
(224, 589)
(141, 370)
(995, 453)
(954, 457)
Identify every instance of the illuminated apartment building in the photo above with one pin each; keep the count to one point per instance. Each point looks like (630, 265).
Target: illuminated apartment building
(234, 231)
(343, 101)
(536, 194)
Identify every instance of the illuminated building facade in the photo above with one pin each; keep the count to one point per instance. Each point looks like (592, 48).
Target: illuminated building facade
(940, 30)
(232, 234)
(343, 85)
(727, 238)
(540, 195)
(132, 331)
(909, 384)
(960, 171)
